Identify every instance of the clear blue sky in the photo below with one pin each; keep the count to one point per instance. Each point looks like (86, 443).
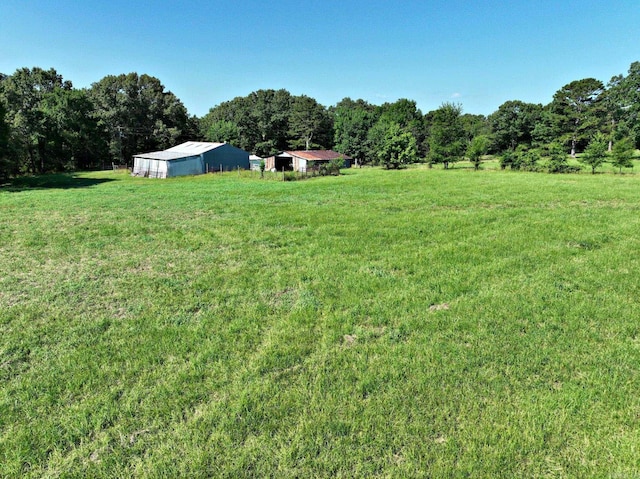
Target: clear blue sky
(476, 53)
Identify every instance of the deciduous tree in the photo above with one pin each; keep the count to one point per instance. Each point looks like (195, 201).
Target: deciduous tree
(398, 148)
(309, 121)
(270, 111)
(138, 114)
(513, 124)
(446, 135)
(223, 130)
(352, 121)
(33, 142)
(408, 116)
(477, 147)
(6, 166)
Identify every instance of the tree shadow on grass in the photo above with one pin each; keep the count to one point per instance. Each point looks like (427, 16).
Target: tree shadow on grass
(63, 181)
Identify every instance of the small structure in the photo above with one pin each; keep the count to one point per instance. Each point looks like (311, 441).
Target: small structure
(254, 161)
(304, 160)
(190, 158)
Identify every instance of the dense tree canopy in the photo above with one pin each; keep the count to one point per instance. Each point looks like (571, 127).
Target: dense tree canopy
(34, 142)
(267, 121)
(309, 121)
(626, 91)
(513, 124)
(137, 114)
(352, 121)
(578, 106)
(5, 164)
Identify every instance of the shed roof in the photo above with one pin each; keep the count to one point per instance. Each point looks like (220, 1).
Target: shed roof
(318, 154)
(315, 155)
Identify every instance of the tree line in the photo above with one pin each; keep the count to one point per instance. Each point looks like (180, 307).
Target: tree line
(47, 125)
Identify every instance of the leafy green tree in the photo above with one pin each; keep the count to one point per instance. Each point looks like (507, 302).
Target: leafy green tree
(508, 158)
(6, 166)
(261, 119)
(529, 159)
(513, 124)
(446, 135)
(626, 96)
(137, 114)
(352, 121)
(398, 148)
(614, 108)
(548, 128)
(622, 154)
(475, 125)
(239, 112)
(270, 111)
(79, 142)
(595, 154)
(523, 158)
(333, 166)
(376, 137)
(408, 116)
(579, 106)
(223, 131)
(33, 142)
(476, 149)
(309, 121)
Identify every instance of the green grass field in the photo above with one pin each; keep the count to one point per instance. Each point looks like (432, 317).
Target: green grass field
(413, 323)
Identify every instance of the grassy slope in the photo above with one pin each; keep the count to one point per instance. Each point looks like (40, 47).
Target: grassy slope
(224, 326)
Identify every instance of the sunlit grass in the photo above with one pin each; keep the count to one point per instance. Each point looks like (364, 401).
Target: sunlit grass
(383, 323)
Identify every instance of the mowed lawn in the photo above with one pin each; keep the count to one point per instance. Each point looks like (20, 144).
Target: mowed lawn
(414, 323)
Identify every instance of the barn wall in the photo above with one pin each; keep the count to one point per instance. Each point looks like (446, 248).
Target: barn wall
(149, 167)
(299, 164)
(191, 165)
(228, 156)
(270, 163)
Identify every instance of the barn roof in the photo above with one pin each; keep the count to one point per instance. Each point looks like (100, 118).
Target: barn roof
(195, 147)
(164, 155)
(184, 150)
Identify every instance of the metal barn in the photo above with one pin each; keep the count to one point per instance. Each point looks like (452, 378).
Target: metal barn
(190, 158)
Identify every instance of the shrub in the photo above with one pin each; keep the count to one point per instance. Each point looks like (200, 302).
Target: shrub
(333, 167)
(508, 158)
(558, 162)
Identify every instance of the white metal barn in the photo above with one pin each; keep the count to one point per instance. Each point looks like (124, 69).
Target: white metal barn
(190, 158)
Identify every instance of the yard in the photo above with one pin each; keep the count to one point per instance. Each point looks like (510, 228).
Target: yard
(382, 323)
